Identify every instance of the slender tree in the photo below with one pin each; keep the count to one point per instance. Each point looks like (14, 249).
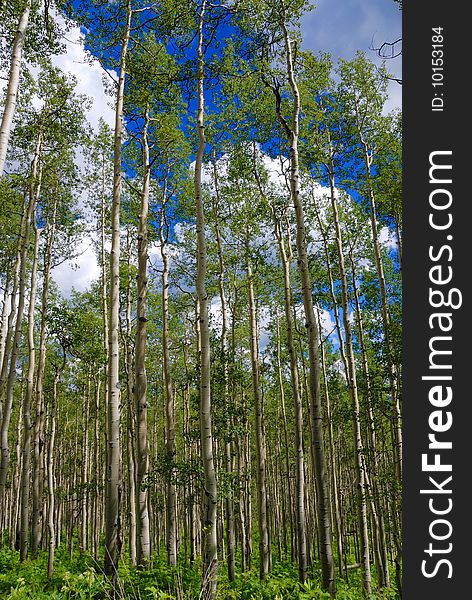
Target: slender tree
(13, 83)
(321, 476)
(113, 477)
(143, 535)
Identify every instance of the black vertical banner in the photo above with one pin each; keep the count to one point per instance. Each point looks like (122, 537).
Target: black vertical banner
(437, 391)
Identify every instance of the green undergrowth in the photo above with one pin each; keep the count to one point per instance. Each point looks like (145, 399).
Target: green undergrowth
(80, 577)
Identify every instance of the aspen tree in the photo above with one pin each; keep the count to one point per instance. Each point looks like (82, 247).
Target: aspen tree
(364, 92)
(4, 317)
(286, 258)
(229, 501)
(15, 480)
(113, 477)
(130, 397)
(13, 82)
(171, 526)
(209, 516)
(101, 180)
(26, 459)
(285, 509)
(96, 475)
(334, 469)
(33, 193)
(353, 391)
(83, 538)
(62, 327)
(50, 466)
(387, 182)
(228, 247)
(346, 347)
(383, 572)
(209, 532)
(321, 476)
(60, 104)
(261, 451)
(143, 545)
(39, 435)
(13, 299)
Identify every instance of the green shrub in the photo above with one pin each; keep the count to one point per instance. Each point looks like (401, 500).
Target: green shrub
(80, 578)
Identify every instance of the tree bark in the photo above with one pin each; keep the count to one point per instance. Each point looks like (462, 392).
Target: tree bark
(12, 86)
(209, 531)
(132, 505)
(384, 575)
(261, 470)
(50, 471)
(321, 473)
(113, 478)
(143, 545)
(39, 437)
(229, 500)
(171, 526)
(85, 468)
(334, 477)
(34, 191)
(4, 318)
(393, 367)
(26, 461)
(8, 339)
(351, 377)
(286, 259)
(298, 406)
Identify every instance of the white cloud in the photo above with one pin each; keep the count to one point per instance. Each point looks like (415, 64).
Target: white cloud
(394, 100)
(77, 273)
(89, 75)
(80, 272)
(264, 321)
(338, 367)
(387, 238)
(276, 173)
(216, 314)
(327, 322)
(155, 256)
(342, 28)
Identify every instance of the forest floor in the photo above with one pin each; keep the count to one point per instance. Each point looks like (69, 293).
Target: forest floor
(80, 577)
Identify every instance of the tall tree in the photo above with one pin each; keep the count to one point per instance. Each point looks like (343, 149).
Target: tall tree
(113, 477)
(25, 473)
(286, 256)
(143, 535)
(364, 92)
(210, 555)
(292, 133)
(13, 82)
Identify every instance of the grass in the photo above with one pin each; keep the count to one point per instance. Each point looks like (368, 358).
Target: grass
(80, 577)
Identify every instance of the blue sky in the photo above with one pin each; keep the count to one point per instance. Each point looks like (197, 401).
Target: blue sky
(342, 27)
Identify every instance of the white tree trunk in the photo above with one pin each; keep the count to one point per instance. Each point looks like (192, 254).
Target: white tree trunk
(143, 546)
(113, 476)
(321, 473)
(209, 530)
(34, 191)
(261, 471)
(351, 378)
(25, 469)
(12, 86)
(39, 442)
